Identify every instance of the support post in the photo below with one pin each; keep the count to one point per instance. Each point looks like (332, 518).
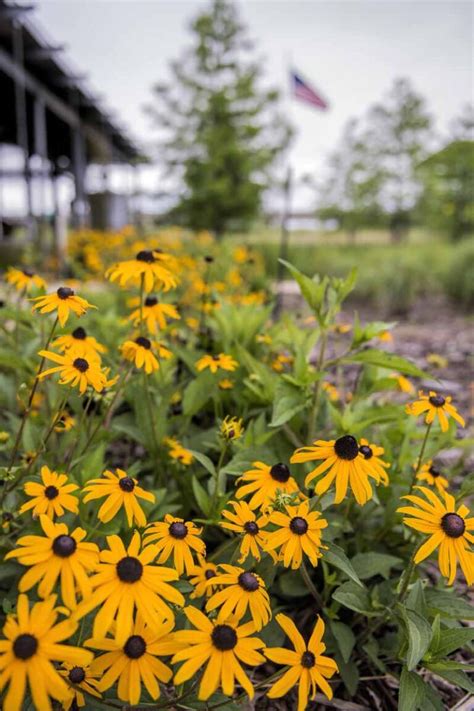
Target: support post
(284, 235)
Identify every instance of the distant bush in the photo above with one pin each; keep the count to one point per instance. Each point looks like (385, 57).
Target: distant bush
(459, 276)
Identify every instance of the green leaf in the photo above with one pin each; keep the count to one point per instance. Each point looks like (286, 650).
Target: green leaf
(345, 638)
(366, 565)
(450, 640)
(419, 635)
(293, 585)
(416, 599)
(205, 461)
(335, 556)
(454, 676)
(349, 674)
(197, 394)
(286, 406)
(355, 598)
(373, 356)
(201, 497)
(449, 605)
(312, 290)
(412, 691)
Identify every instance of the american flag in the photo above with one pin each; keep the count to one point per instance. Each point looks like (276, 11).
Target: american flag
(303, 91)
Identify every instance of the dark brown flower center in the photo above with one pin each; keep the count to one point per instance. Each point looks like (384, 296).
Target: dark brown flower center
(135, 647)
(178, 530)
(51, 492)
(224, 637)
(453, 525)
(248, 582)
(129, 569)
(280, 472)
(151, 301)
(79, 333)
(437, 400)
(64, 292)
(25, 646)
(126, 483)
(145, 255)
(81, 365)
(308, 660)
(366, 451)
(434, 471)
(210, 574)
(64, 546)
(346, 447)
(143, 342)
(251, 528)
(28, 272)
(209, 259)
(298, 525)
(76, 675)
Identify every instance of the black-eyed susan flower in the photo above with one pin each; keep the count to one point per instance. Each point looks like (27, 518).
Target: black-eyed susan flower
(176, 537)
(346, 465)
(403, 383)
(58, 555)
(264, 481)
(331, 391)
(223, 645)
(449, 530)
(33, 641)
(244, 521)
(75, 371)
(63, 301)
(372, 454)
(225, 384)
(155, 314)
(65, 422)
(122, 491)
(178, 452)
(77, 678)
(126, 580)
(231, 428)
(81, 344)
(144, 352)
(217, 362)
(24, 279)
(298, 532)
(134, 661)
(201, 576)
(431, 474)
(242, 590)
(53, 496)
(309, 668)
(153, 266)
(435, 406)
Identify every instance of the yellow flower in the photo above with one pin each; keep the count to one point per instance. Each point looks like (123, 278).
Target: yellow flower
(214, 362)
(223, 644)
(449, 530)
(231, 428)
(225, 384)
(244, 521)
(385, 337)
(346, 465)
(372, 454)
(278, 364)
(24, 279)
(200, 576)
(264, 338)
(153, 266)
(242, 591)
(125, 579)
(80, 344)
(32, 642)
(192, 323)
(435, 406)
(78, 677)
(342, 328)
(122, 492)
(154, 314)
(52, 497)
(176, 537)
(134, 661)
(178, 452)
(264, 483)
(437, 360)
(403, 383)
(57, 554)
(332, 391)
(65, 422)
(432, 475)
(309, 668)
(76, 372)
(63, 301)
(299, 531)
(140, 352)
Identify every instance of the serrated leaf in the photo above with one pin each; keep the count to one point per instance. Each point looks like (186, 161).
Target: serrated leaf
(419, 635)
(412, 691)
(383, 359)
(335, 556)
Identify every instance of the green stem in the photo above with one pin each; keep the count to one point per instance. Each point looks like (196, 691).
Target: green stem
(317, 387)
(151, 415)
(30, 400)
(310, 585)
(215, 495)
(420, 457)
(142, 281)
(406, 577)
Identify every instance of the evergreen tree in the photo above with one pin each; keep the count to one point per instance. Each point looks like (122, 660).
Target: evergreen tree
(221, 131)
